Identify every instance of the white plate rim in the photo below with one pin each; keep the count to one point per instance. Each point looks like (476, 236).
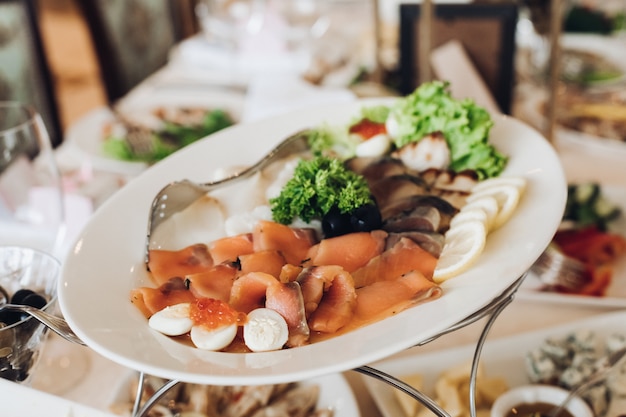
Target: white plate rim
(122, 335)
(27, 401)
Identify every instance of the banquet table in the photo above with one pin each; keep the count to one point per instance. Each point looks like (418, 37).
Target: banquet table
(252, 99)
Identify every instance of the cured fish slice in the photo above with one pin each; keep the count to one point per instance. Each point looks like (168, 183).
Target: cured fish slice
(404, 256)
(350, 251)
(166, 264)
(384, 298)
(150, 300)
(389, 189)
(299, 401)
(286, 299)
(215, 282)
(247, 400)
(268, 261)
(292, 243)
(313, 282)
(337, 306)
(248, 291)
(289, 272)
(231, 247)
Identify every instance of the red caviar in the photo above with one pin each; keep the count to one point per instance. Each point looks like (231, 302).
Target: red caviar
(368, 129)
(212, 313)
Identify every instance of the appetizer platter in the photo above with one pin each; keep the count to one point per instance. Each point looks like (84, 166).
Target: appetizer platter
(108, 259)
(324, 396)
(141, 132)
(508, 363)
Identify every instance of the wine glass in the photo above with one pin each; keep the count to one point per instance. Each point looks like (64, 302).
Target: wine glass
(227, 23)
(32, 215)
(31, 196)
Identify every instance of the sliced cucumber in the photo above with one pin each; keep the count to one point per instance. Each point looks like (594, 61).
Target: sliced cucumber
(586, 206)
(605, 209)
(586, 193)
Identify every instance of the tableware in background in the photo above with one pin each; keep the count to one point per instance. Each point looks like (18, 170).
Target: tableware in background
(503, 358)
(22, 337)
(228, 24)
(298, 23)
(538, 394)
(87, 135)
(31, 196)
(334, 394)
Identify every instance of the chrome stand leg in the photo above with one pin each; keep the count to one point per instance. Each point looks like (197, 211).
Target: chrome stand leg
(404, 387)
(492, 311)
(142, 411)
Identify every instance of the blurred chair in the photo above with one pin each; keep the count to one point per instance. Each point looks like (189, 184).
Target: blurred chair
(24, 71)
(486, 33)
(132, 38)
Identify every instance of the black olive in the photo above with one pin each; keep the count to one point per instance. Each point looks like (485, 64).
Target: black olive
(336, 223)
(366, 218)
(18, 297)
(10, 317)
(35, 300)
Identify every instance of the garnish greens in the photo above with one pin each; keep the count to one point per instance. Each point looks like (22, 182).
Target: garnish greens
(332, 141)
(431, 108)
(336, 141)
(318, 185)
(588, 206)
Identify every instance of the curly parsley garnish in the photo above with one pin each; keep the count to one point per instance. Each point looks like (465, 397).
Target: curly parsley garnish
(317, 186)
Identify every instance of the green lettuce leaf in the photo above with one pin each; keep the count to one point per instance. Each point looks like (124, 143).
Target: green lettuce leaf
(465, 125)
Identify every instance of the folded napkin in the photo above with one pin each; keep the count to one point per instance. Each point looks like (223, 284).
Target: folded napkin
(450, 62)
(277, 93)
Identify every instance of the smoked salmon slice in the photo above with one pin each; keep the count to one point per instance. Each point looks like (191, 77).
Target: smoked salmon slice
(249, 291)
(314, 281)
(166, 264)
(292, 243)
(231, 247)
(286, 299)
(403, 257)
(268, 261)
(351, 251)
(215, 283)
(150, 300)
(337, 306)
(385, 298)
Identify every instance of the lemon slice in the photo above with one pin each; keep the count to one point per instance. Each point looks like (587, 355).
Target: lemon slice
(517, 182)
(507, 197)
(486, 203)
(463, 246)
(469, 214)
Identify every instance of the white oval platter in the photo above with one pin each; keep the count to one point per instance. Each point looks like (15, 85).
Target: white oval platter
(106, 262)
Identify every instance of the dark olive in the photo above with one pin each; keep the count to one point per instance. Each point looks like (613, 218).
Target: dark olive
(18, 297)
(336, 223)
(10, 317)
(35, 300)
(366, 218)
